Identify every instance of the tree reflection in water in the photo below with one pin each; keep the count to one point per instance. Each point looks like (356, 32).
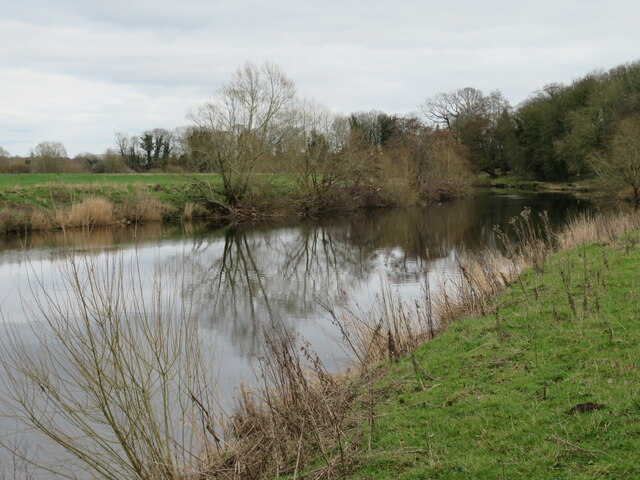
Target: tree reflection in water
(250, 277)
(253, 277)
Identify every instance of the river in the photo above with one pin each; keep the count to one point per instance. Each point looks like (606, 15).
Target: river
(249, 277)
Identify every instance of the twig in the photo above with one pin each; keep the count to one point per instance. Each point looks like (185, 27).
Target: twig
(560, 441)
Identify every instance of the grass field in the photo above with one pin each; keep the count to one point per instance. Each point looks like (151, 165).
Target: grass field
(164, 179)
(169, 195)
(547, 388)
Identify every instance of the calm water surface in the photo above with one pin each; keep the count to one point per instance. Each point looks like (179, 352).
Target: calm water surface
(250, 277)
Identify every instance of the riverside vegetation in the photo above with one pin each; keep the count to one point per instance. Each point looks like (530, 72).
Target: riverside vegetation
(258, 150)
(527, 371)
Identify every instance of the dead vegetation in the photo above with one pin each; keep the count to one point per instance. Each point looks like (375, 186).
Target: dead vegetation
(144, 208)
(92, 212)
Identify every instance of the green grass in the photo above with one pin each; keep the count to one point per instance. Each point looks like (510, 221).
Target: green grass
(22, 194)
(163, 179)
(498, 405)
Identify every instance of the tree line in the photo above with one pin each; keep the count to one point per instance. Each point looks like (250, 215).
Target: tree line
(256, 124)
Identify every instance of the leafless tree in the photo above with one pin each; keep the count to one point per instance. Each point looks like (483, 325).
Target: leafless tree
(50, 157)
(249, 117)
(472, 118)
(622, 164)
(315, 154)
(111, 372)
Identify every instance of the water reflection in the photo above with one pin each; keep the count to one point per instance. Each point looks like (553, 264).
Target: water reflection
(249, 277)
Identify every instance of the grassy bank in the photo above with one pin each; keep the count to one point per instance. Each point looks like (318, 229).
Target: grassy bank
(543, 387)
(523, 376)
(45, 201)
(49, 201)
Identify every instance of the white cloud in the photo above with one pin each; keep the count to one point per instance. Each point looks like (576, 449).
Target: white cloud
(77, 71)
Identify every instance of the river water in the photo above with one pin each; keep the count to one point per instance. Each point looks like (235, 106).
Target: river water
(247, 278)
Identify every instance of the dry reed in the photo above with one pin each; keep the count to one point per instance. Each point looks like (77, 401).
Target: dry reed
(41, 220)
(144, 208)
(301, 413)
(92, 212)
(601, 228)
(191, 211)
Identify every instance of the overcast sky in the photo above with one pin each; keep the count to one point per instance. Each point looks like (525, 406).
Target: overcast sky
(77, 71)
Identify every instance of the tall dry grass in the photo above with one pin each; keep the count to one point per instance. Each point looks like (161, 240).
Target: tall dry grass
(92, 212)
(601, 228)
(13, 221)
(191, 211)
(143, 208)
(41, 219)
(301, 413)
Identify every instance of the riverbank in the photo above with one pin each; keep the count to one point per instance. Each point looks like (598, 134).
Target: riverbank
(543, 387)
(536, 380)
(516, 183)
(30, 202)
(55, 201)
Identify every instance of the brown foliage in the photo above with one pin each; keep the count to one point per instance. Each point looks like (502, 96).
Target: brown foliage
(88, 213)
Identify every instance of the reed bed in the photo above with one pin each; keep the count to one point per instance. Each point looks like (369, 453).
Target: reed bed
(92, 212)
(142, 209)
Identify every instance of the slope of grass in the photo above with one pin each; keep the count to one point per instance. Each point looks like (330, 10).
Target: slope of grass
(22, 195)
(164, 179)
(547, 388)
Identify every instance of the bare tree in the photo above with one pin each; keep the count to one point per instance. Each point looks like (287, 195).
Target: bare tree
(129, 150)
(50, 157)
(248, 118)
(49, 149)
(450, 110)
(116, 377)
(472, 118)
(315, 153)
(622, 164)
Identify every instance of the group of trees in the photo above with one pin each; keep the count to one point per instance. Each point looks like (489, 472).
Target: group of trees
(256, 123)
(479, 122)
(560, 133)
(153, 150)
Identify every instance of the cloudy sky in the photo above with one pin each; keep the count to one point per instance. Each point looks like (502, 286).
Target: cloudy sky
(77, 71)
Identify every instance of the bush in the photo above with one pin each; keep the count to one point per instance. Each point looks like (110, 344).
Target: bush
(111, 164)
(145, 208)
(11, 166)
(55, 165)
